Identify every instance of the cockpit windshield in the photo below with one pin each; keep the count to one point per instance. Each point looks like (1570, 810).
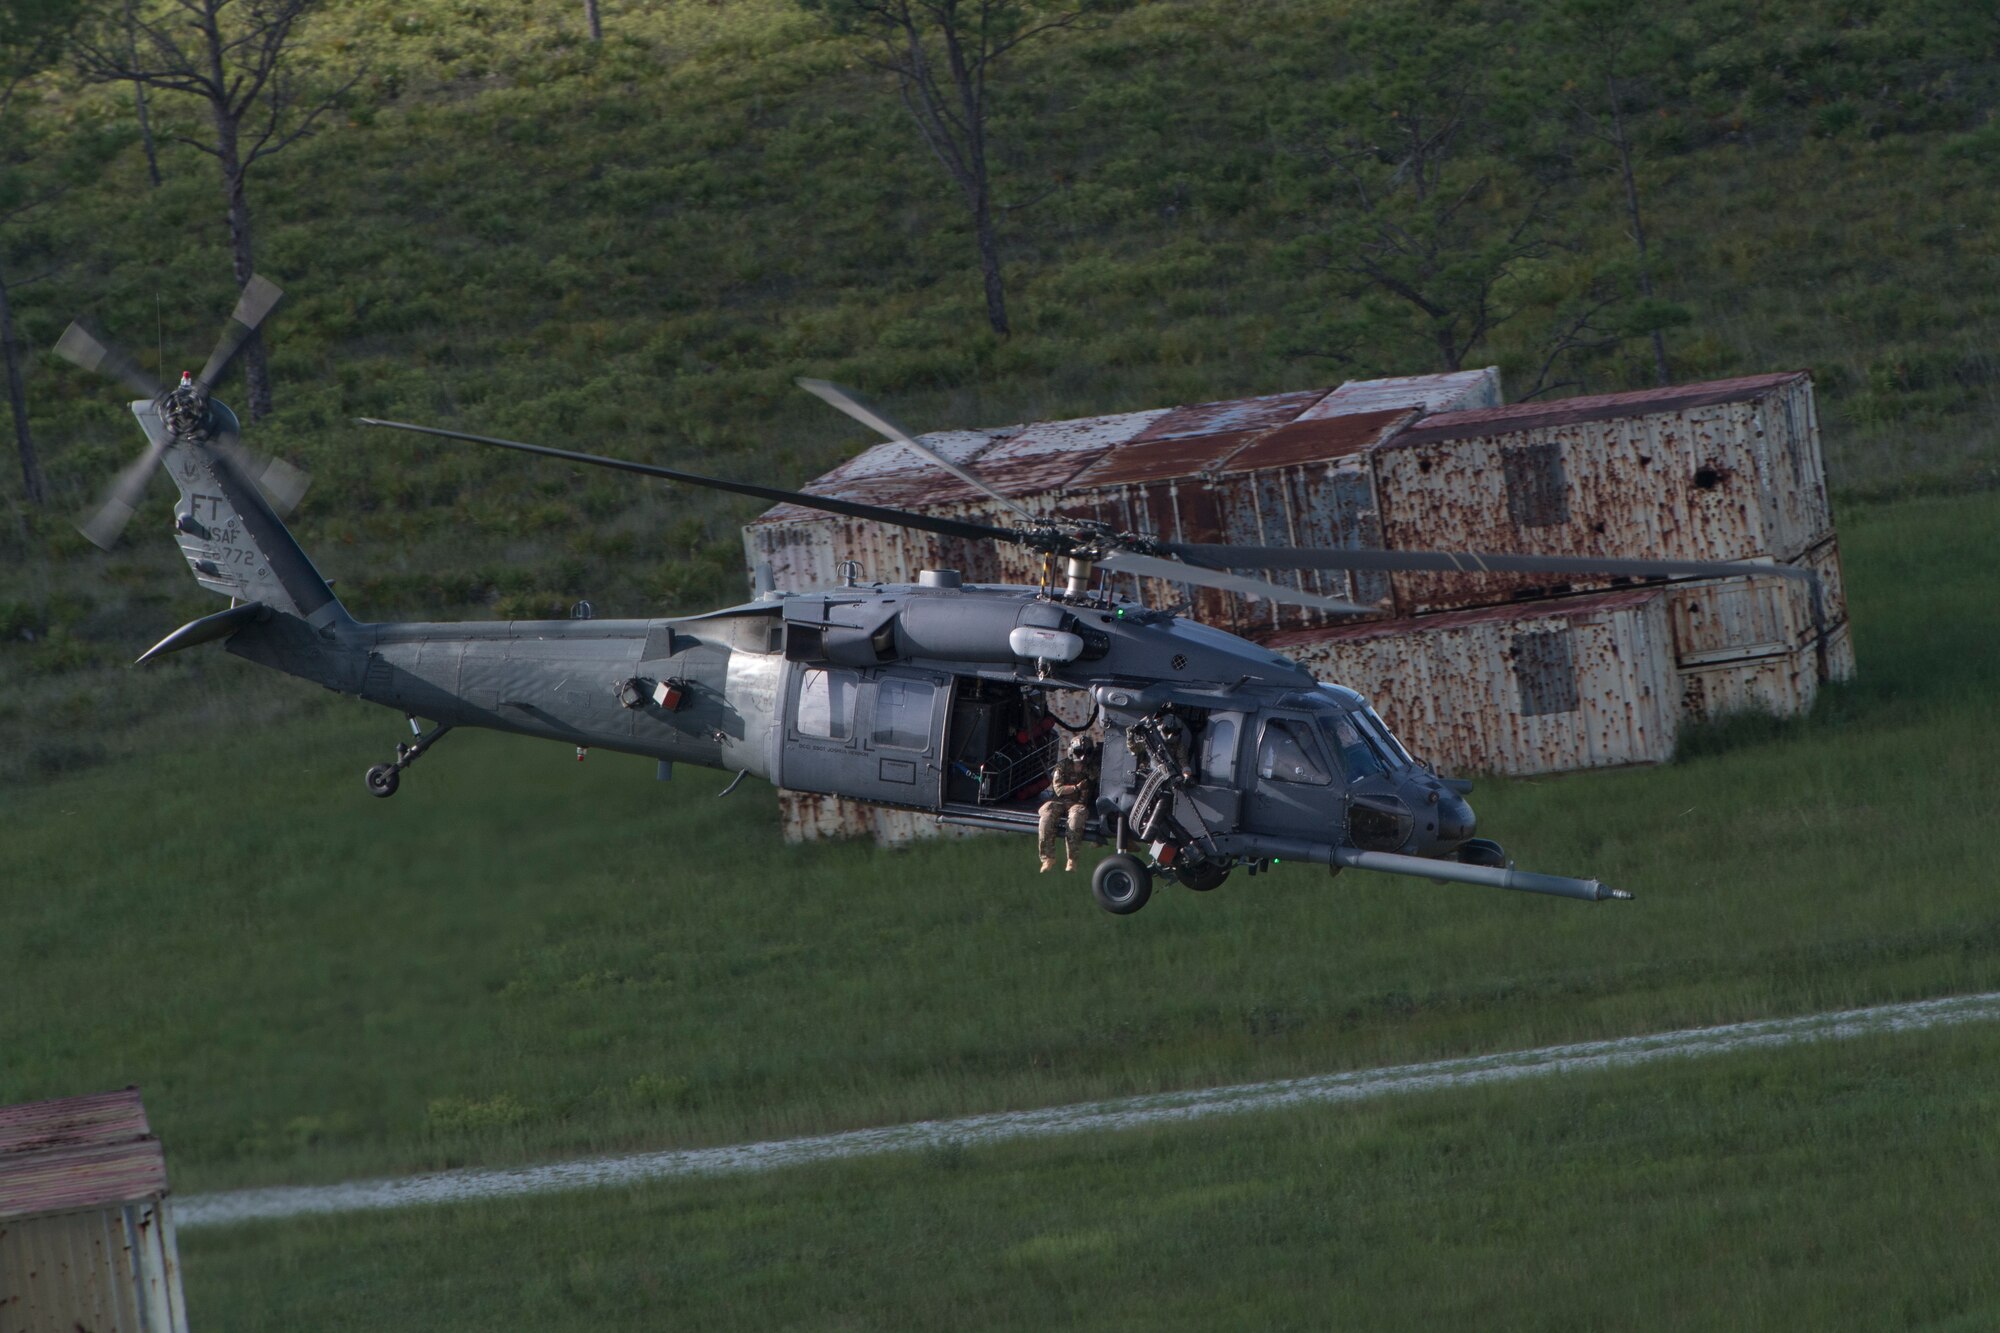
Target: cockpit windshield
(1358, 755)
(1384, 738)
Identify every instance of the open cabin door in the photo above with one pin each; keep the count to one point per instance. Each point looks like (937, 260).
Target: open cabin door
(872, 734)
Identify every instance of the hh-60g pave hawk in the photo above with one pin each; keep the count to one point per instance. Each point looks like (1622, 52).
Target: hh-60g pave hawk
(935, 696)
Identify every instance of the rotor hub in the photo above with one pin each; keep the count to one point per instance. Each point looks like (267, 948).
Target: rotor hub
(185, 410)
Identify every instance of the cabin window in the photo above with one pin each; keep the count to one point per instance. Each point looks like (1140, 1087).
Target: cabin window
(1290, 754)
(903, 714)
(1218, 750)
(826, 703)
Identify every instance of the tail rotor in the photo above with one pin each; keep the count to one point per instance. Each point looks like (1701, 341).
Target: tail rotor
(183, 414)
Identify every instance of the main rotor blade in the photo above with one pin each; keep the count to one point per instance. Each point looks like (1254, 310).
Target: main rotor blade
(851, 403)
(1152, 567)
(121, 500)
(259, 298)
(1468, 562)
(949, 527)
(80, 346)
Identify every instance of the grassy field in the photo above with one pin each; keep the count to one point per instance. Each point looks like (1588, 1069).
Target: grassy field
(521, 956)
(1843, 1186)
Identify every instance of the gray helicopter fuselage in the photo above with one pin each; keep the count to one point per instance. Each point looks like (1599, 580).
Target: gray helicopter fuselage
(855, 691)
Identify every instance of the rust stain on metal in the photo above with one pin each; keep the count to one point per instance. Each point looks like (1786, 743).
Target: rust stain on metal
(1153, 460)
(1233, 415)
(1321, 439)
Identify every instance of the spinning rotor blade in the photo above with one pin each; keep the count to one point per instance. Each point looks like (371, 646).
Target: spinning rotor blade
(259, 298)
(850, 402)
(121, 500)
(1175, 571)
(282, 484)
(1468, 562)
(80, 346)
(949, 527)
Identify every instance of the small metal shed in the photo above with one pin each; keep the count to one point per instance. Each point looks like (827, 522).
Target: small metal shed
(86, 1235)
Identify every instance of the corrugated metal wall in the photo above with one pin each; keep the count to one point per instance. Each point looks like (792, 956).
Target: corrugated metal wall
(109, 1270)
(1586, 682)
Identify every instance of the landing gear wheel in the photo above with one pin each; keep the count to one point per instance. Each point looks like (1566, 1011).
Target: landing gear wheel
(1203, 876)
(1121, 884)
(383, 779)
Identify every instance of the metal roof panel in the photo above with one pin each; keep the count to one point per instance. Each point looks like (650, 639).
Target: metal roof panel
(1593, 407)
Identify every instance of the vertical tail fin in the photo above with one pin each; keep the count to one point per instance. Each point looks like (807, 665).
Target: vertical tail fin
(233, 540)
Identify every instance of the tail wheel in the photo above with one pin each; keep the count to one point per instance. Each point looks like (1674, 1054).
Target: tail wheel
(383, 779)
(1121, 884)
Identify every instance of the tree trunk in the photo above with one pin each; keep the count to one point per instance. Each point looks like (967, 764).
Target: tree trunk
(989, 265)
(146, 133)
(256, 373)
(596, 25)
(1660, 372)
(32, 485)
(139, 97)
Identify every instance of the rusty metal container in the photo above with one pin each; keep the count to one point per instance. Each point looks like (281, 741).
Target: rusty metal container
(1781, 684)
(1728, 470)
(86, 1236)
(1584, 682)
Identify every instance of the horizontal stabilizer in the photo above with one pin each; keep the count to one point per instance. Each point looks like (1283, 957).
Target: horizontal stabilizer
(205, 630)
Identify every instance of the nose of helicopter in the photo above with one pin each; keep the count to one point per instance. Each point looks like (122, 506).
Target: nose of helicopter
(1455, 820)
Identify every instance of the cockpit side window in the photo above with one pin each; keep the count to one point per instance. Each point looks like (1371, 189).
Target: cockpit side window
(1288, 753)
(826, 703)
(1357, 755)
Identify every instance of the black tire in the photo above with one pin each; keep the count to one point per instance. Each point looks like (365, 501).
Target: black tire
(383, 780)
(1203, 875)
(1121, 884)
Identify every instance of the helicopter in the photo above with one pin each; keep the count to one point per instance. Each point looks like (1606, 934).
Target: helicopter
(1210, 752)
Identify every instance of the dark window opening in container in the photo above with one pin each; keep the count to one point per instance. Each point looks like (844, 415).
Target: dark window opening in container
(1288, 753)
(1545, 671)
(1537, 489)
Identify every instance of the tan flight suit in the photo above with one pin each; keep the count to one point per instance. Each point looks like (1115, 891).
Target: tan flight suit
(1067, 813)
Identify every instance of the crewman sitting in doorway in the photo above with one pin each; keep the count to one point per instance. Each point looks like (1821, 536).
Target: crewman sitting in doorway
(1067, 811)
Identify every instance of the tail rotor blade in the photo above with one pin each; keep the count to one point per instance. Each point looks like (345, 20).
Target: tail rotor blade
(282, 484)
(81, 347)
(260, 297)
(103, 524)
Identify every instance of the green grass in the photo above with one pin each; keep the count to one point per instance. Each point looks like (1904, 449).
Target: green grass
(520, 956)
(1842, 1186)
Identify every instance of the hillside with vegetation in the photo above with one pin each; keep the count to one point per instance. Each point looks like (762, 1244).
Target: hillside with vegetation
(633, 245)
